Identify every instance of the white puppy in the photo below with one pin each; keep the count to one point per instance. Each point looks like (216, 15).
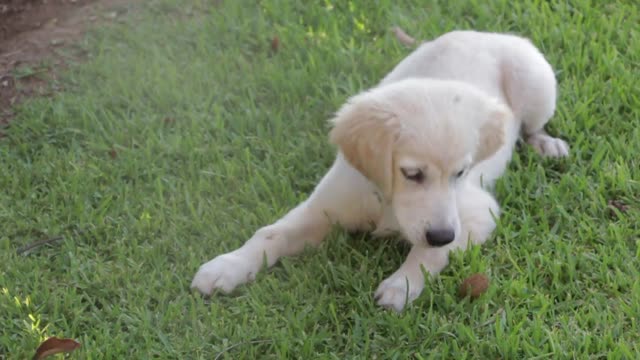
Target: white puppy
(416, 153)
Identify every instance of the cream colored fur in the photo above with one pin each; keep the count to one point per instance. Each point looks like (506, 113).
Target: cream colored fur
(417, 154)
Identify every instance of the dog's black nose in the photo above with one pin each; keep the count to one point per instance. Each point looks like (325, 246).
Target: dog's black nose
(440, 237)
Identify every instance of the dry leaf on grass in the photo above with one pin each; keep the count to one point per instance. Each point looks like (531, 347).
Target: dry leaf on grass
(54, 345)
(618, 204)
(474, 286)
(403, 37)
(275, 44)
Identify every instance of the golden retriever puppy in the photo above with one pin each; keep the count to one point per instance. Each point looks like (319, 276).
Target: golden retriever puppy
(416, 155)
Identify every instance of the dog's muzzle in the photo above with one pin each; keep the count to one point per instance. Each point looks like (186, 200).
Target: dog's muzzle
(440, 237)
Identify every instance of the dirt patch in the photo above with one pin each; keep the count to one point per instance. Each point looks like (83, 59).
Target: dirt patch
(33, 35)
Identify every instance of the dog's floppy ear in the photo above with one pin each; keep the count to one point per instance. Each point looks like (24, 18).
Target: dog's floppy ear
(365, 130)
(492, 132)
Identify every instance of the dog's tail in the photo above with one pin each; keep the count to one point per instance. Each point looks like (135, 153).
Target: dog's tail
(403, 37)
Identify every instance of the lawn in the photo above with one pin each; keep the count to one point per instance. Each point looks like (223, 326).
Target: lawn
(187, 127)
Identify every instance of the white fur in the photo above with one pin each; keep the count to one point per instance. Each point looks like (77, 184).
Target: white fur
(456, 103)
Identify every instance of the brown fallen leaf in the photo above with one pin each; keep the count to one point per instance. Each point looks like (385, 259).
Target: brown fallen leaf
(113, 153)
(275, 44)
(618, 204)
(402, 36)
(474, 286)
(54, 345)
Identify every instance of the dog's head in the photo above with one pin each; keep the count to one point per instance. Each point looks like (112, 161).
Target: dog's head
(416, 139)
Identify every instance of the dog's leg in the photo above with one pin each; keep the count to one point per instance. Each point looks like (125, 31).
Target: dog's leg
(477, 209)
(546, 144)
(530, 86)
(343, 196)
(406, 284)
(536, 117)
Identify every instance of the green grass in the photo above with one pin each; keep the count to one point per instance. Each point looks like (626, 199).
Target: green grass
(184, 132)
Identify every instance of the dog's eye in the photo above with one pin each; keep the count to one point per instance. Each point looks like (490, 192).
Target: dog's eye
(413, 174)
(459, 174)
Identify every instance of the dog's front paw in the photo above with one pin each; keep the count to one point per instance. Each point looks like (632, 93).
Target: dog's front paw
(398, 290)
(547, 145)
(224, 273)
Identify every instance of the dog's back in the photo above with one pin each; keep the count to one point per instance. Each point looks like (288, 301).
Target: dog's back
(507, 67)
(478, 58)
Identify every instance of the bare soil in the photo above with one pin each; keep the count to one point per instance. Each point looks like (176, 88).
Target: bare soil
(33, 35)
